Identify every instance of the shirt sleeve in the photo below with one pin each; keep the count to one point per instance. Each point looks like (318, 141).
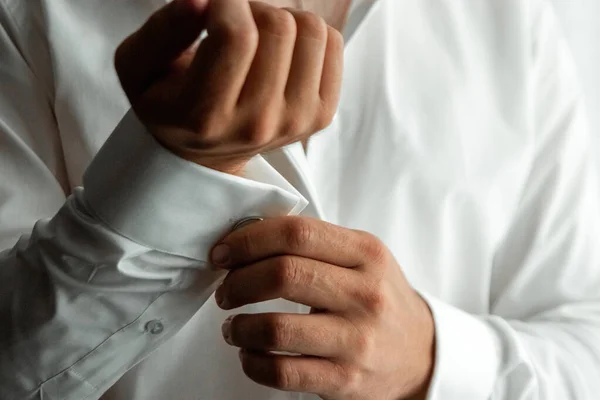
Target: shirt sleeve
(98, 280)
(541, 339)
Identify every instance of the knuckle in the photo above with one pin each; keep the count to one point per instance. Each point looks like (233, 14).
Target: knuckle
(277, 332)
(352, 379)
(201, 131)
(364, 345)
(371, 247)
(374, 300)
(324, 118)
(276, 21)
(335, 40)
(287, 275)
(311, 25)
(246, 37)
(242, 37)
(246, 244)
(298, 232)
(284, 375)
(296, 125)
(261, 129)
(327, 108)
(207, 130)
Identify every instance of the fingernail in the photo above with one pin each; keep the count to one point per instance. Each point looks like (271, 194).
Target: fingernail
(220, 254)
(221, 299)
(226, 329)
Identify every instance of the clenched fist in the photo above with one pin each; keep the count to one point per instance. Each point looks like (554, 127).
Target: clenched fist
(264, 77)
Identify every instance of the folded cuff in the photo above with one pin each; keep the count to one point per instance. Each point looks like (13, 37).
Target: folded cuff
(467, 355)
(149, 195)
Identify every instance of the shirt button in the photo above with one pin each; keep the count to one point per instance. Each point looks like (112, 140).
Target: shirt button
(245, 222)
(154, 327)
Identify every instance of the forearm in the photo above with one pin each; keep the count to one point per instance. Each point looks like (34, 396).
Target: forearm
(73, 319)
(121, 267)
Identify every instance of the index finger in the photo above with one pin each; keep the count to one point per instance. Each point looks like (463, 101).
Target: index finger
(297, 236)
(224, 58)
(168, 33)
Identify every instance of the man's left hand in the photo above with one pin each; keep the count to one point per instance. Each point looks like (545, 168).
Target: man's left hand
(369, 335)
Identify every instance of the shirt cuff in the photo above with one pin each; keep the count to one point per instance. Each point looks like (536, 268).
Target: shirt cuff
(467, 355)
(154, 198)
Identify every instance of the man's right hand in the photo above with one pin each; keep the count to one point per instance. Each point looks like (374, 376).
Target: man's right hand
(264, 77)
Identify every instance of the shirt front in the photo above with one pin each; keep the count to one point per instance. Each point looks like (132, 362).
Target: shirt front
(460, 141)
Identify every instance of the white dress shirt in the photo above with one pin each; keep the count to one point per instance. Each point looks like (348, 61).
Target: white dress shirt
(460, 141)
(579, 20)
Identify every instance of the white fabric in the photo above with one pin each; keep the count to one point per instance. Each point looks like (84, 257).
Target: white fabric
(460, 141)
(579, 20)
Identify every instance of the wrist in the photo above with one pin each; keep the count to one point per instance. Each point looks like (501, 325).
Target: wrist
(231, 166)
(427, 355)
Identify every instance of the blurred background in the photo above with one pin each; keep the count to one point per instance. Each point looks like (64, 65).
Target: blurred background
(580, 20)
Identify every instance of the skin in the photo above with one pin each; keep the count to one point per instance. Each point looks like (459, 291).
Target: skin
(334, 12)
(369, 334)
(266, 77)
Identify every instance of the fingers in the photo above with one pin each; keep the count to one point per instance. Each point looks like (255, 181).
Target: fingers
(168, 33)
(223, 59)
(304, 81)
(319, 335)
(257, 60)
(333, 70)
(269, 72)
(315, 79)
(302, 237)
(300, 280)
(295, 373)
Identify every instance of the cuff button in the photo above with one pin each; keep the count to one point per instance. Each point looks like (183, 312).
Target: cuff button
(155, 327)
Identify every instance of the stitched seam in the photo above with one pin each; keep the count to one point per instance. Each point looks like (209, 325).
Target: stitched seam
(72, 366)
(82, 379)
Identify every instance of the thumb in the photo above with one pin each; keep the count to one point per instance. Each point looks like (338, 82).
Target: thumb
(144, 55)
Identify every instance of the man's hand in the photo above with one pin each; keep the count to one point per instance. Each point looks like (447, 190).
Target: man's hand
(369, 336)
(264, 77)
